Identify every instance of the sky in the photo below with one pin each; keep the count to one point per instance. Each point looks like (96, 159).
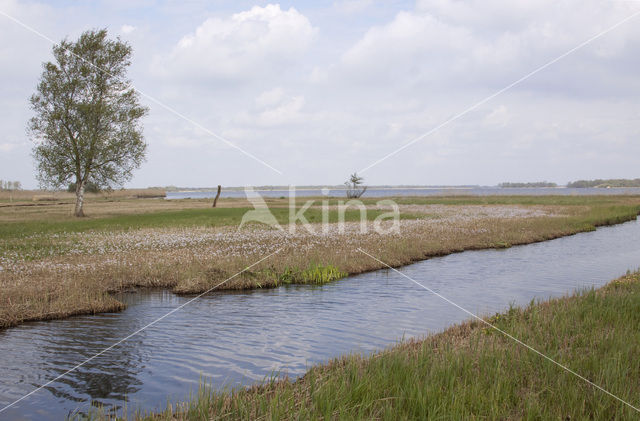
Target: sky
(313, 91)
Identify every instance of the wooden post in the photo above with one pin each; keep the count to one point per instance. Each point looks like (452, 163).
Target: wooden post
(217, 195)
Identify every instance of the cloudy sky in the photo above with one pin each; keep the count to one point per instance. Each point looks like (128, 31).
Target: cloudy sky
(318, 90)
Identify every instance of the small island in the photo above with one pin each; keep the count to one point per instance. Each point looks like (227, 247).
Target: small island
(535, 184)
(605, 183)
(597, 183)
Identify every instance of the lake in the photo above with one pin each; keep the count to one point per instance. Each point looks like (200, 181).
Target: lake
(414, 191)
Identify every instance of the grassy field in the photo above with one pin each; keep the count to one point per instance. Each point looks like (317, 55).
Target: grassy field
(31, 238)
(53, 265)
(470, 371)
(30, 197)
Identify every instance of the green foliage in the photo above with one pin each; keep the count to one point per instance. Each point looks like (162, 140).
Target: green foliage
(314, 274)
(605, 183)
(87, 115)
(319, 274)
(89, 187)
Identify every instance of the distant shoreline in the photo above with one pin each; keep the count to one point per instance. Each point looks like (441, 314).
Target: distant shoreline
(207, 189)
(378, 188)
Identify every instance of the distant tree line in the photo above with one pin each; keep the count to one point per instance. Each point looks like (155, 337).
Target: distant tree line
(605, 183)
(10, 185)
(535, 184)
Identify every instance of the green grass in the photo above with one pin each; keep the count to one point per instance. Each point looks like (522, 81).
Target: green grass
(313, 274)
(38, 238)
(233, 216)
(181, 218)
(469, 371)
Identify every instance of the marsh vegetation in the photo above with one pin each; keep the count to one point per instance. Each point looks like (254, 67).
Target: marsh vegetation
(54, 265)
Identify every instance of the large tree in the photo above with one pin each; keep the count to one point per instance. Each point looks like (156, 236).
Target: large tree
(87, 122)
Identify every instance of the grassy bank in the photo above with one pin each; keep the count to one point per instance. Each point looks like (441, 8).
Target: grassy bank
(54, 266)
(469, 371)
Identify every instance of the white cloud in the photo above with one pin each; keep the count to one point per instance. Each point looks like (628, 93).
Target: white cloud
(270, 98)
(289, 111)
(449, 44)
(352, 6)
(409, 48)
(365, 78)
(318, 75)
(127, 29)
(274, 109)
(181, 142)
(498, 117)
(259, 40)
(8, 146)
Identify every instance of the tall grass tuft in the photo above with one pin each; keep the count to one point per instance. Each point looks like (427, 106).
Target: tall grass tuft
(319, 274)
(314, 274)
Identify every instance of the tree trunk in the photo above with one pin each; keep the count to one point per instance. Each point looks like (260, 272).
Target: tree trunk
(79, 198)
(217, 196)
